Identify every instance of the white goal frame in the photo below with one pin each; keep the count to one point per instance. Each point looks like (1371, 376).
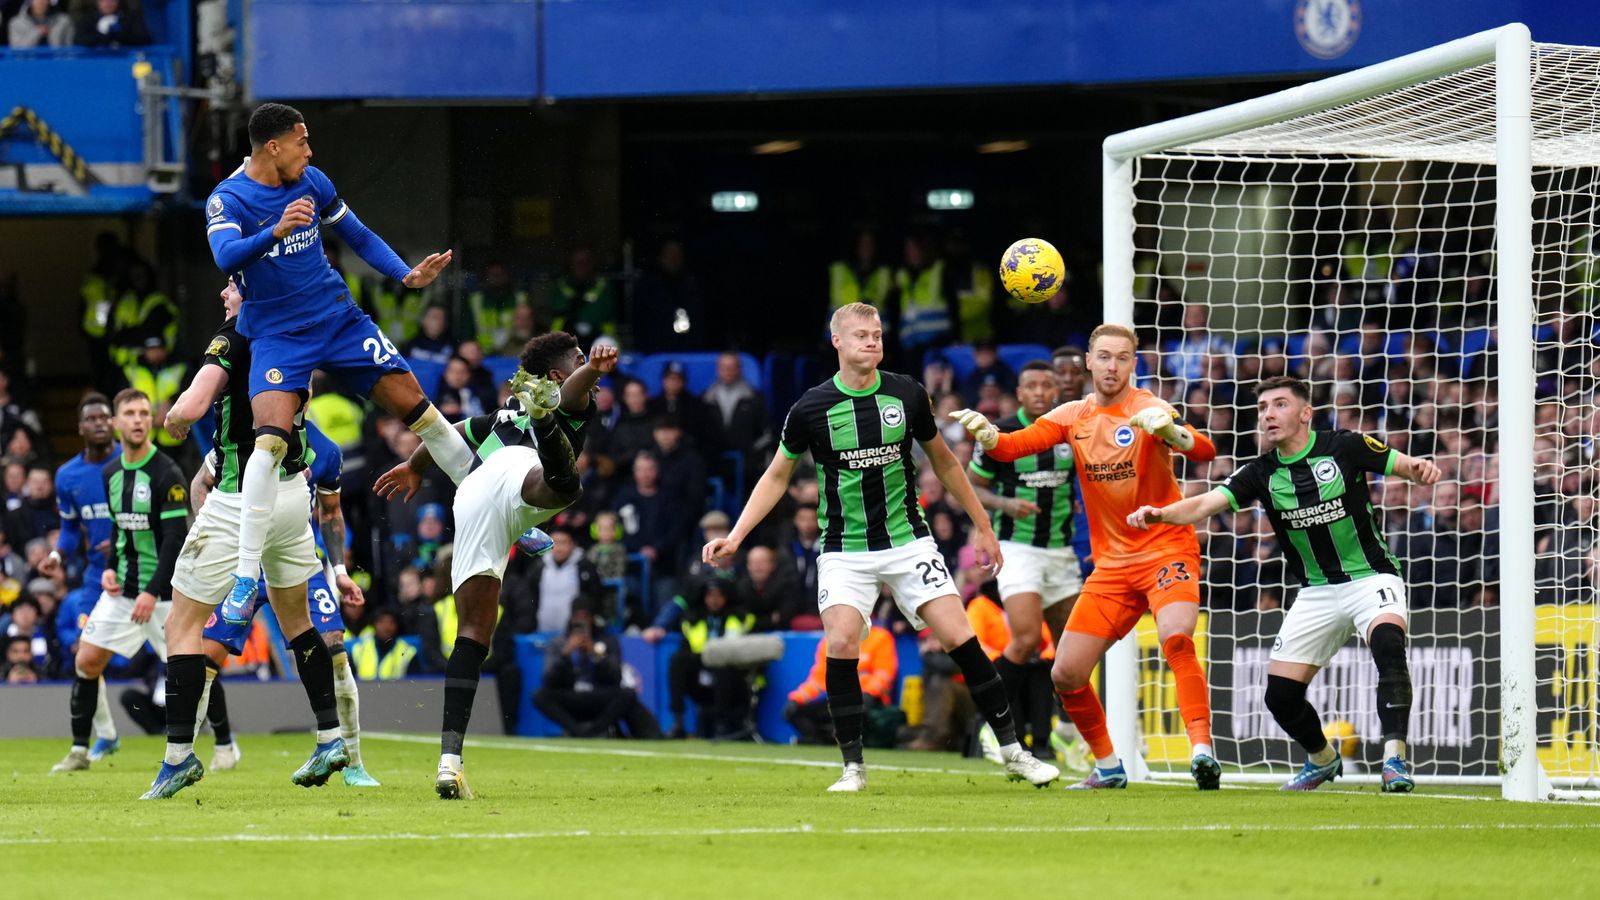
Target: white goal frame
(1510, 49)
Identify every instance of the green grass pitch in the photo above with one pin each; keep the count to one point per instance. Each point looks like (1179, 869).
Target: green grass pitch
(622, 819)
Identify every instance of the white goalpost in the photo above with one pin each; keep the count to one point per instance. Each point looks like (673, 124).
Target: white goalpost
(1421, 240)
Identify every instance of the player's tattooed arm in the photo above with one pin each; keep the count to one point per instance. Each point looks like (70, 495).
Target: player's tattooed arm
(330, 521)
(200, 486)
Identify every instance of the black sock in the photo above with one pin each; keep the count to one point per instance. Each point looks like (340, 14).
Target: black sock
(85, 695)
(461, 674)
(846, 706)
(1388, 644)
(555, 455)
(988, 691)
(1286, 699)
(217, 710)
(311, 657)
(1015, 679)
(186, 681)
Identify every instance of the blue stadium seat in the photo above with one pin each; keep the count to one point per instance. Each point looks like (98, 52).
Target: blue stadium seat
(959, 357)
(702, 370)
(501, 367)
(429, 375)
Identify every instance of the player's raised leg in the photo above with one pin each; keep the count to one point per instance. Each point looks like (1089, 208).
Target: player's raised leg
(950, 625)
(274, 412)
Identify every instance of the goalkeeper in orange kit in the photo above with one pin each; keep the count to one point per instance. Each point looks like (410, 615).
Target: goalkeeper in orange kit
(1123, 439)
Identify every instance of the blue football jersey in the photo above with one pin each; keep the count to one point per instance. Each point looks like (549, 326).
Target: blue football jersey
(290, 286)
(85, 512)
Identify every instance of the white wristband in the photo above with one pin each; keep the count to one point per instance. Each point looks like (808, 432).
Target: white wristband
(340, 570)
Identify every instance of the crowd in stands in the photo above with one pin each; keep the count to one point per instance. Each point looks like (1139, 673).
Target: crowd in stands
(107, 24)
(626, 556)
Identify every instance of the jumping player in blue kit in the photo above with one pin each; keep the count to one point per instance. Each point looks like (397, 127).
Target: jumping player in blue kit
(264, 225)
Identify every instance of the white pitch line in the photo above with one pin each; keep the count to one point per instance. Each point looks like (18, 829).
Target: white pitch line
(536, 747)
(530, 745)
(805, 830)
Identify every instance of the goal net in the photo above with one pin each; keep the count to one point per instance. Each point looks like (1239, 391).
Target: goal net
(1371, 233)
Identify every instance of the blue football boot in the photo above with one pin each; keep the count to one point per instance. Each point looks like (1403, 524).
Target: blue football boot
(1397, 777)
(174, 778)
(1313, 776)
(327, 759)
(1102, 779)
(240, 604)
(534, 542)
(103, 748)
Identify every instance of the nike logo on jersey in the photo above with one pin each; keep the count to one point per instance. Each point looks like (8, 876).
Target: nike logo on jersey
(838, 425)
(1083, 437)
(263, 221)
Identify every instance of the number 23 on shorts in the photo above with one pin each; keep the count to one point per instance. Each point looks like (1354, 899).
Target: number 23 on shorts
(1173, 573)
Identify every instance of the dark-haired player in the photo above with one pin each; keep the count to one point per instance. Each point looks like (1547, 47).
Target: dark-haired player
(526, 472)
(1314, 489)
(264, 224)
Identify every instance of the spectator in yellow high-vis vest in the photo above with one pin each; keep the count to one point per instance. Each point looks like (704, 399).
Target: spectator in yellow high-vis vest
(378, 654)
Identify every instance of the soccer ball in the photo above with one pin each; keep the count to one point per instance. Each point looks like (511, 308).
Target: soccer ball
(1342, 735)
(1031, 270)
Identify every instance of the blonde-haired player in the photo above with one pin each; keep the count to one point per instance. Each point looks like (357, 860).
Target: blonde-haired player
(1123, 438)
(859, 427)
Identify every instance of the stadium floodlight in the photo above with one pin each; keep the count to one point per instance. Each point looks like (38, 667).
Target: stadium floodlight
(949, 198)
(1437, 214)
(735, 201)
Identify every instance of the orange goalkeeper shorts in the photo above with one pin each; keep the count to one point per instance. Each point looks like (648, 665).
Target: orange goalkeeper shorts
(1114, 598)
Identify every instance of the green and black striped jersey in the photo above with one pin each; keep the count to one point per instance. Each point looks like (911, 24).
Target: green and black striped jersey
(1044, 479)
(143, 497)
(1320, 506)
(234, 438)
(861, 441)
(509, 426)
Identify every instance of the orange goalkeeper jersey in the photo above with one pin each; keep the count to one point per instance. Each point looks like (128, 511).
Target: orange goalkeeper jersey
(1120, 469)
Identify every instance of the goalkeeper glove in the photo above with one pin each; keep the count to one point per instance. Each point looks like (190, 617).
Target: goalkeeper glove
(979, 427)
(1163, 424)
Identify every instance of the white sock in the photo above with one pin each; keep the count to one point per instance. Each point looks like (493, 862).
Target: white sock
(1324, 756)
(325, 735)
(80, 749)
(1201, 750)
(448, 448)
(1394, 748)
(205, 702)
(344, 692)
(104, 727)
(450, 761)
(1007, 749)
(259, 494)
(177, 753)
(1107, 762)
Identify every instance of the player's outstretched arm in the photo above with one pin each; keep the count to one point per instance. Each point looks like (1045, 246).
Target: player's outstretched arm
(948, 468)
(208, 383)
(575, 390)
(1417, 471)
(773, 484)
(1043, 434)
(1184, 512)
